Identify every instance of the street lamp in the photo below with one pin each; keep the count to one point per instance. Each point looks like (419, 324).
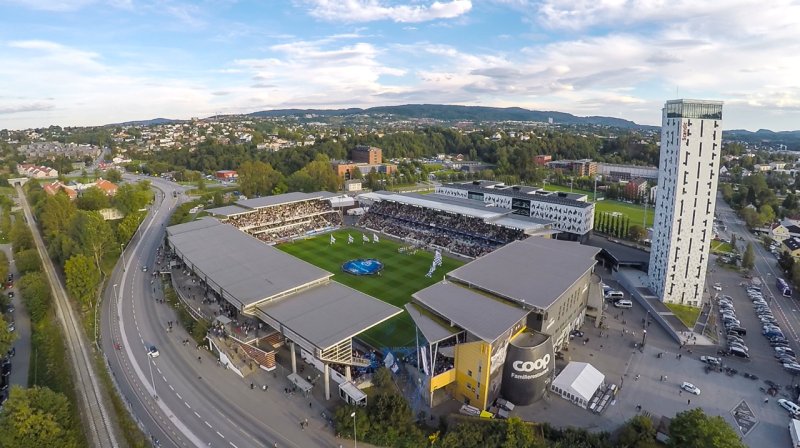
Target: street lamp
(122, 254)
(355, 440)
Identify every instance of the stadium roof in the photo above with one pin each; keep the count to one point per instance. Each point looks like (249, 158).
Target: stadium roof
(470, 208)
(432, 327)
(268, 201)
(247, 270)
(328, 314)
(228, 210)
(535, 271)
(485, 317)
(201, 223)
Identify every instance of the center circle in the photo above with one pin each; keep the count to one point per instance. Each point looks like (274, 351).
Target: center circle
(362, 266)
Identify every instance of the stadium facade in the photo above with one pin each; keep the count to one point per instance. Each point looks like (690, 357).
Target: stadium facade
(571, 214)
(691, 145)
(492, 327)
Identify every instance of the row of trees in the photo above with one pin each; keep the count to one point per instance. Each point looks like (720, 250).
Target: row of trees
(257, 178)
(43, 415)
(613, 224)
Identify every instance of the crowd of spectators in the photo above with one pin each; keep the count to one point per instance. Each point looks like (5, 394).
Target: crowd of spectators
(286, 221)
(464, 235)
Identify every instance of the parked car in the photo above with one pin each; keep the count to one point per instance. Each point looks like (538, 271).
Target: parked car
(710, 360)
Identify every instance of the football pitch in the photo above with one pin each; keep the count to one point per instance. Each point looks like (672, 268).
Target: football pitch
(402, 276)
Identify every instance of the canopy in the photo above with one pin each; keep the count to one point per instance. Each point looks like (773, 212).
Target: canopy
(580, 379)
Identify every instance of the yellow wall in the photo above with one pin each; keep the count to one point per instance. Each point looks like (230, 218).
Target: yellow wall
(443, 379)
(472, 357)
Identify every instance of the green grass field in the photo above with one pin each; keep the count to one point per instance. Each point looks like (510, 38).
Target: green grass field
(402, 276)
(634, 212)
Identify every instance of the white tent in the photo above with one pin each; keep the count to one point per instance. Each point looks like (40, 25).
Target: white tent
(578, 382)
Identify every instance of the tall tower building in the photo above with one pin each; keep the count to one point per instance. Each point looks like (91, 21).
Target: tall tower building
(691, 145)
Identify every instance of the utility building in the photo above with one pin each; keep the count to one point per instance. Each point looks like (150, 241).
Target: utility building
(691, 141)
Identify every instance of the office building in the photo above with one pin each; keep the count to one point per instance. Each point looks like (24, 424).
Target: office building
(691, 139)
(367, 154)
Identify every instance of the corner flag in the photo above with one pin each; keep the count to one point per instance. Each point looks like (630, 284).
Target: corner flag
(375, 238)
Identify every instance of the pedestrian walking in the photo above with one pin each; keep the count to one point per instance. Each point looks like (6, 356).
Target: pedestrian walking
(688, 402)
(309, 405)
(306, 422)
(680, 391)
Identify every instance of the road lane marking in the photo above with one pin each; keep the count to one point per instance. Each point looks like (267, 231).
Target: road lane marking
(187, 405)
(179, 396)
(207, 424)
(198, 415)
(220, 434)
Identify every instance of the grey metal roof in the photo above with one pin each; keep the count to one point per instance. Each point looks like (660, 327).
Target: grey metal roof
(524, 223)
(201, 223)
(485, 317)
(268, 201)
(329, 314)
(621, 252)
(433, 328)
(228, 210)
(248, 270)
(536, 270)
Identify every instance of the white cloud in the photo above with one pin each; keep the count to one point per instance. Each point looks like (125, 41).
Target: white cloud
(374, 10)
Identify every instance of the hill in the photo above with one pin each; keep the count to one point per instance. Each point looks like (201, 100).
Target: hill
(470, 113)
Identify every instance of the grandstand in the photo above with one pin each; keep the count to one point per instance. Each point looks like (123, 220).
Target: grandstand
(282, 217)
(459, 226)
(570, 213)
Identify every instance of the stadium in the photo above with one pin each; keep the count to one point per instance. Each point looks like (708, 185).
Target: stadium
(343, 295)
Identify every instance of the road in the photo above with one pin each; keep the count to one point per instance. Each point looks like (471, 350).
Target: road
(22, 323)
(180, 400)
(95, 414)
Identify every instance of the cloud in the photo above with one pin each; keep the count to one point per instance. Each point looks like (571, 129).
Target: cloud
(25, 107)
(376, 10)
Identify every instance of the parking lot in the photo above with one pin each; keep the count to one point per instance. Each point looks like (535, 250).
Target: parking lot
(739, 400)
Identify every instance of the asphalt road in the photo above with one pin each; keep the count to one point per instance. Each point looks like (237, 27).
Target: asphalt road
(22, 325)
(198, 403)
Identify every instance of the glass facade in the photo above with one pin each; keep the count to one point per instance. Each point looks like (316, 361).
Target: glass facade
(709, 111)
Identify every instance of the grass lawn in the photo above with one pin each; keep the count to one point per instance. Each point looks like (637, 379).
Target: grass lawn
(687, 314)
(634, 212)
(718, 246)
(402, 276)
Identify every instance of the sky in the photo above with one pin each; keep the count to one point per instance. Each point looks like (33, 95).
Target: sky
(94, 62)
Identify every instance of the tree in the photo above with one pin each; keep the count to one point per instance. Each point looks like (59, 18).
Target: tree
(28, 261)
(36, 293)
(733, 241)
(127, 227)
(93, 235)
(93, 199)
(21, 237)
(637, 233)
(37, 417)
(300, 180)
(638, 432)
(695, 429)
(258, 178)
(767, 214)
(132, 197)
(201, 184)
(82, 279)
(7, 338)
(57, 211)
(749, 257)
(114, 176)
(219, 199)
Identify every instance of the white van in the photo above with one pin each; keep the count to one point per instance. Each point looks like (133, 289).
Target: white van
(790, 406)
(623, 304)
(614, 295)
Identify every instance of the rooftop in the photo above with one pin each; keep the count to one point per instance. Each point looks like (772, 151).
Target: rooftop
(535, 271)
(328, 314)
(268, 201)
(469, 309)
(248, 270)
(524, 192)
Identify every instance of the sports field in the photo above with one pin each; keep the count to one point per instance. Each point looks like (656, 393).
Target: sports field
(402, 276)
(634, 212)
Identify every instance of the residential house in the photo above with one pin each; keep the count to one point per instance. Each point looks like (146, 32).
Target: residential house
(36, 171)
(636, 189)
(791, 245)
(55, 187)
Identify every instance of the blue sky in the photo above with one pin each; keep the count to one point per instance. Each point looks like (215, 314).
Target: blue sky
(91, 62)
